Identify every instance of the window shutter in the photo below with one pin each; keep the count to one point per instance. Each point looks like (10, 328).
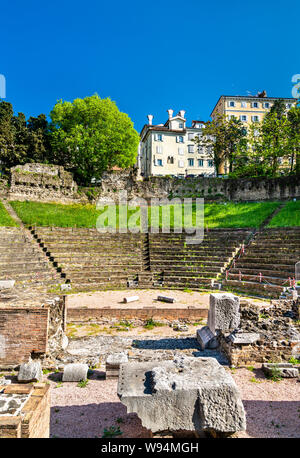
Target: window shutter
(155, 137)
(177, 138)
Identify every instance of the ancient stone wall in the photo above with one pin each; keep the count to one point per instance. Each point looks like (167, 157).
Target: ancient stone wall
(80, 315)
(51, 182)
(33, 420)
(41, 182)
(31, 331)
(23, 331)
(209, 188)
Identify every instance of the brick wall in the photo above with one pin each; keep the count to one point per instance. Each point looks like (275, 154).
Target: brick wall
(34, 418)
(91, 314)
(22, 331)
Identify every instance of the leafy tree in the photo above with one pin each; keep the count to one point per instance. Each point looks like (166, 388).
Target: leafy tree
(225, 139)
(91, 135)
(294, 138)
(22, 141)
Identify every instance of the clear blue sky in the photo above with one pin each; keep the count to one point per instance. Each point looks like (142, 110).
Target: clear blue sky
(147, 56)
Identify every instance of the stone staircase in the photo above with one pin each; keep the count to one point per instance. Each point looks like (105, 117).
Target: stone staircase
(273, 253)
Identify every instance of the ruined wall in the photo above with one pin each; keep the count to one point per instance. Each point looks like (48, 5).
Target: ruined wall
(31, 331)
(22, 331)
(97, 314)
(41, 182)
(33, 421)
(210, 188)
(279, 337)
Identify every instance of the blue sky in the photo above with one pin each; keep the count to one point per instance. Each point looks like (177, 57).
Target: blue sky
(147, 56)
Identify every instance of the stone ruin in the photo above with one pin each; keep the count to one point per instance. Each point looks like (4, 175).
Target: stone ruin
(250, 333)
(42, 181)
(185, 397)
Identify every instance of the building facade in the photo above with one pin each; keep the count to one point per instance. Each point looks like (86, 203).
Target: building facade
(169, 149)
(248, 109)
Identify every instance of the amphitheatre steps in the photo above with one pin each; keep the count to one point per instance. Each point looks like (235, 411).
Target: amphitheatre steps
(273, 253)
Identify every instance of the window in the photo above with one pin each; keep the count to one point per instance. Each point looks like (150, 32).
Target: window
(255, 118)
(266, 105)
(181, 125)
(159, 162)
(170, 160)
(191, 136)
(244, 104)
(181, 151)
(289, 106)
(180, 163)
(191, 162)
(158, 137)
(191, 148)
(255, 105)
(200, 162)
(210, 163)
(180, 139)
(231, 104)
(159, 149)
(244, 118)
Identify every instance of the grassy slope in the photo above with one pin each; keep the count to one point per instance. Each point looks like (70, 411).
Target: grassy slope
(5, 218)
(216, 215)
(288, 216)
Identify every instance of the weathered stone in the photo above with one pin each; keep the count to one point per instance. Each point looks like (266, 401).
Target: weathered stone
(188, 394)
(223, 312)
(204, 336)
(75, 372)
(244, 337)
(65, 287)
(130, 299)
(30, 372)
(7, 284)
(286, 370)
(166, 299)
(117, 358)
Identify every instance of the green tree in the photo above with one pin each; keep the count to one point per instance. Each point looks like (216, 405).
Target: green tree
(225, 139)
(294, 138)
(91, 135)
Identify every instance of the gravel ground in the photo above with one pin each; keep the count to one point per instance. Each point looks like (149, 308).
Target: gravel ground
(272, 408)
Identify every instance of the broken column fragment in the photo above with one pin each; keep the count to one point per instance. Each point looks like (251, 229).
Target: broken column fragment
(223, 312)
(186, 395)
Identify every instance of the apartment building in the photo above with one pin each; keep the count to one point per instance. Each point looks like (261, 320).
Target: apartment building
(169, 149)
(248, 109)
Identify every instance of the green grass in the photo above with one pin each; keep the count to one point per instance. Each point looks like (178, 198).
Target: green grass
(227, 215)
(289, 216)
(5, 218)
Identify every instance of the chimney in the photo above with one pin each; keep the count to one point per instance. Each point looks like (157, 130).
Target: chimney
(181, 113)
(150, 117)
(170, 113)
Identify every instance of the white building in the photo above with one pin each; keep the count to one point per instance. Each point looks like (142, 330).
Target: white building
(169, 149)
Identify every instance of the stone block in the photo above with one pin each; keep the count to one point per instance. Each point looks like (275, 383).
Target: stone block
(30, 372)
(204, 336)
(286, 370)
(7, 284)
(242, 338)
(75, 372)
(193, 395)
(166, 299)
(223, 312)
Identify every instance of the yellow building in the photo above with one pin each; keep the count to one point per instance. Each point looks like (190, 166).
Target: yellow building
(248, 109)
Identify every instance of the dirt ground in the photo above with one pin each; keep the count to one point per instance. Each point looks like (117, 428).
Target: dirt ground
(147, 297)
(272, 408)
